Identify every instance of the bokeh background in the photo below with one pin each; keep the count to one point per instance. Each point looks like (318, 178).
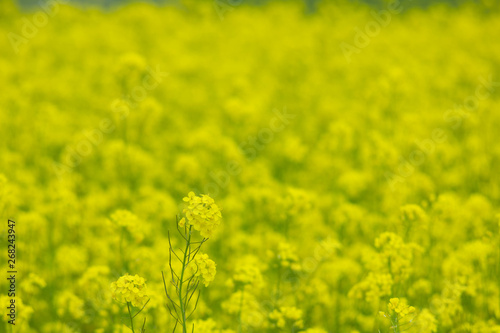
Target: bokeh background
(352, 147)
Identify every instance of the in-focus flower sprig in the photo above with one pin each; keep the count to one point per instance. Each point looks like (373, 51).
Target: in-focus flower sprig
(400, 314)
(203, 215)
(133, 291)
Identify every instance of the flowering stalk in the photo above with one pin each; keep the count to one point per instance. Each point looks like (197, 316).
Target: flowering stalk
(133, 291)
(202, 215)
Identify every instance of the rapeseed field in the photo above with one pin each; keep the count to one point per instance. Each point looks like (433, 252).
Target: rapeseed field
(229, 167)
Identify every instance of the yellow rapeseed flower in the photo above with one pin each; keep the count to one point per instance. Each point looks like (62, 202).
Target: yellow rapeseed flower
(400, 308)
(285, 316)
(131, 289)
(201, 213)
(203, 268)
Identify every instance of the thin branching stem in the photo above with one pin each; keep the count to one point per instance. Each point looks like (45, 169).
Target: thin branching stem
(195, 305)
(183, 308)
(142, 308)
(131, 318)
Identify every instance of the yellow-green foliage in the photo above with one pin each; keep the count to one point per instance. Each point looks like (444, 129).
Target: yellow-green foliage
(352, 164)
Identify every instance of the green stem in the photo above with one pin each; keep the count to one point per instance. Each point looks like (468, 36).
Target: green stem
(181, 281)
(131, 318)
(396, 327)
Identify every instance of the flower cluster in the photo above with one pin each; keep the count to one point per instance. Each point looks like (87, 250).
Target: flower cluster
(130, 289)
(396, 255)
(413, 216)
(373, 287)
(23, 311)
(208, 326)
(247, 274)
(246, 307)
(286, 256)
(287, 317)
(400, 308)
(129, 222)
(399, 314)
(202, 214)
(203, 268)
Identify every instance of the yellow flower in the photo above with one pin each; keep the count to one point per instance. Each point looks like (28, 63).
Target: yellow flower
(287, 257)
(248, 274)
(400, 308)
(131, 289)
(399, 314)
(373, 287)
(130, 222)
(399, 254)
(202, 214)
(426, 322)
(287, 316)
(202, 267)
(70, 304)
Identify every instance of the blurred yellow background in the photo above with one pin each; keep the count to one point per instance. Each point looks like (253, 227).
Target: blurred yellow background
(352, 147)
